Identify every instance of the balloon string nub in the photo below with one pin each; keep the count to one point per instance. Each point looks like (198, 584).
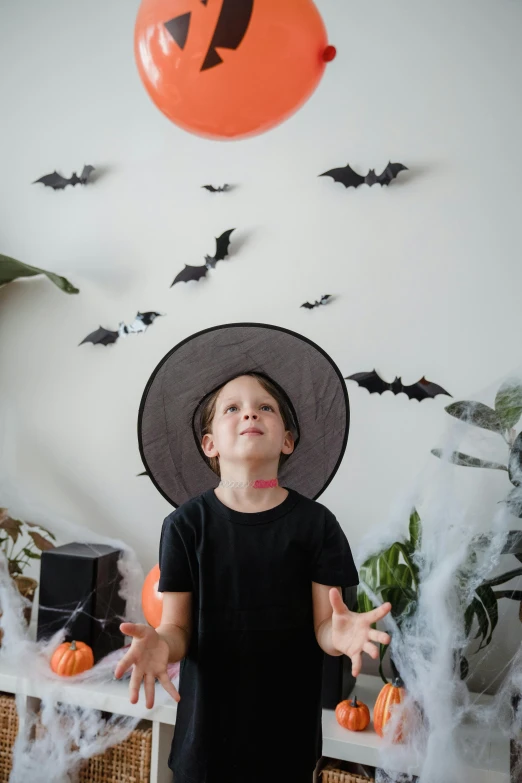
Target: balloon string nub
(329, 54)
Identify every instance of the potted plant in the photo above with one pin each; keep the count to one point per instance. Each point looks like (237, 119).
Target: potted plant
(393, 574)
(501, 420)
(20, 543)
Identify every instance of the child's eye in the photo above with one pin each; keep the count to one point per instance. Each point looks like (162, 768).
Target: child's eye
(263, 406)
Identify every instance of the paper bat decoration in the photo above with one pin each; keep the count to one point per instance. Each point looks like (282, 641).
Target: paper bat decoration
(350, 178)
(57, 182)
(321, 301)
(103, 336)
(417, 391)
(221, 189)
(197, 272)
(140, 323)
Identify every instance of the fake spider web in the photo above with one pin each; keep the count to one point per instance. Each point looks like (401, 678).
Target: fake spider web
(55, 739)
(449, 728)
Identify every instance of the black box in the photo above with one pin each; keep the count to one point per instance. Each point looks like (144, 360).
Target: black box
(79, 585)
(338, 680)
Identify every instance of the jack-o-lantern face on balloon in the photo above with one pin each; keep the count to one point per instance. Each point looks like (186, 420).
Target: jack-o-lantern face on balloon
(229, 68)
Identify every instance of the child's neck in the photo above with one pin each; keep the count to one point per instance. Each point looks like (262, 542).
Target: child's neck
(249, 499)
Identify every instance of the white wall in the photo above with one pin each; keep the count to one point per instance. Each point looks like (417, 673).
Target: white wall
(427, 272)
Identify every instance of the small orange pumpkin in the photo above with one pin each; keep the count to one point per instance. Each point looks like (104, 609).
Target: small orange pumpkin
(391, 693)
(353, 715)
(72, 658)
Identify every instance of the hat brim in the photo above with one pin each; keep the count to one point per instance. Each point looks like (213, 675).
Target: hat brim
(168, 415)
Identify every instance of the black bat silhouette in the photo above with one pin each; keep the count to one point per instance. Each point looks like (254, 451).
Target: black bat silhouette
(322, 300)
(212, 189)
(417, 391)
(231, 27)
(57, 182)
(197, 272)
(350, 178)
(103, 336)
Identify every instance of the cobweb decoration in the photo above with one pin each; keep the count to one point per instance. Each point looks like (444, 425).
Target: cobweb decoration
(53, 744)
(467, 503)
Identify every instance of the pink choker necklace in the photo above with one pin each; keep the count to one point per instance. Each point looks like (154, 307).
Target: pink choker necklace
(257, 484)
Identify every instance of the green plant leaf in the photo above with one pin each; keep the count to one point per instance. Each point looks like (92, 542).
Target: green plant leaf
(489, 601)
(363, 602)
(32, 555)
(464, 667)
(458, 458)
(482, 619)
(508, 403)
(11, 269)
(387, 563)
(515, 595)
(515, 461)
(477, 414)
(42, 543)
(15, 567)
(409, 563)
(415, 529)
(12, 527)
(468, 617)
(499, 580)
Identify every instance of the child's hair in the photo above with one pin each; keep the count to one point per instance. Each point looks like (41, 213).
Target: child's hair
(209, 409)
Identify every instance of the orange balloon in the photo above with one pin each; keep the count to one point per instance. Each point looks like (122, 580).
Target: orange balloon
(230, 68)
(151, 600)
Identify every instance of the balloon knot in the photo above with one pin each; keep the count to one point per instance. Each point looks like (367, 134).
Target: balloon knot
(329, 54)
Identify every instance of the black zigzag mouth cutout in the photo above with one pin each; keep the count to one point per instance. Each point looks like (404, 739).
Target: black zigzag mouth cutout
(231, 28)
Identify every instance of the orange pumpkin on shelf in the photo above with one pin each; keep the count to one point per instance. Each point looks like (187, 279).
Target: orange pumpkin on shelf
(72, 658)
(352, 715)
(392, 693)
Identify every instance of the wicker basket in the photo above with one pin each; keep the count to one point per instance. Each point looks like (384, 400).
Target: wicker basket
(332, 772)
(128, 762)
(8, 732)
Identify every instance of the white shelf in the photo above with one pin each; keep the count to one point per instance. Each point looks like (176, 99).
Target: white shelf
(339, 743)
(110, 696)
(362, 747)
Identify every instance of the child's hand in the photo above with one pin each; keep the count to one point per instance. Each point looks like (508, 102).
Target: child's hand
(150, 655)
(352, 632)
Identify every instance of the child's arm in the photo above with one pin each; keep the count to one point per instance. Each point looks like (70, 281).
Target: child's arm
(176, 624)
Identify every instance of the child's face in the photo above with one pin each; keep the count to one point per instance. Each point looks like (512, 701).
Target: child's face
(242, 404)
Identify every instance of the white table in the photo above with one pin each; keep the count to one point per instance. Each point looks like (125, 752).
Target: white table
(338, 743)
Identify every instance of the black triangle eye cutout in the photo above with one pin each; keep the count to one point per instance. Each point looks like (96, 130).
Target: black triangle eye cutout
(231, 27)
(178, 29)
(204, 2)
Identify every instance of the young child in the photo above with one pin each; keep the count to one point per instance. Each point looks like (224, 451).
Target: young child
(251, 570)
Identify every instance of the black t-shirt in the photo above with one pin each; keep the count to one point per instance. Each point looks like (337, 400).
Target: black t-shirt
(250, 684)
